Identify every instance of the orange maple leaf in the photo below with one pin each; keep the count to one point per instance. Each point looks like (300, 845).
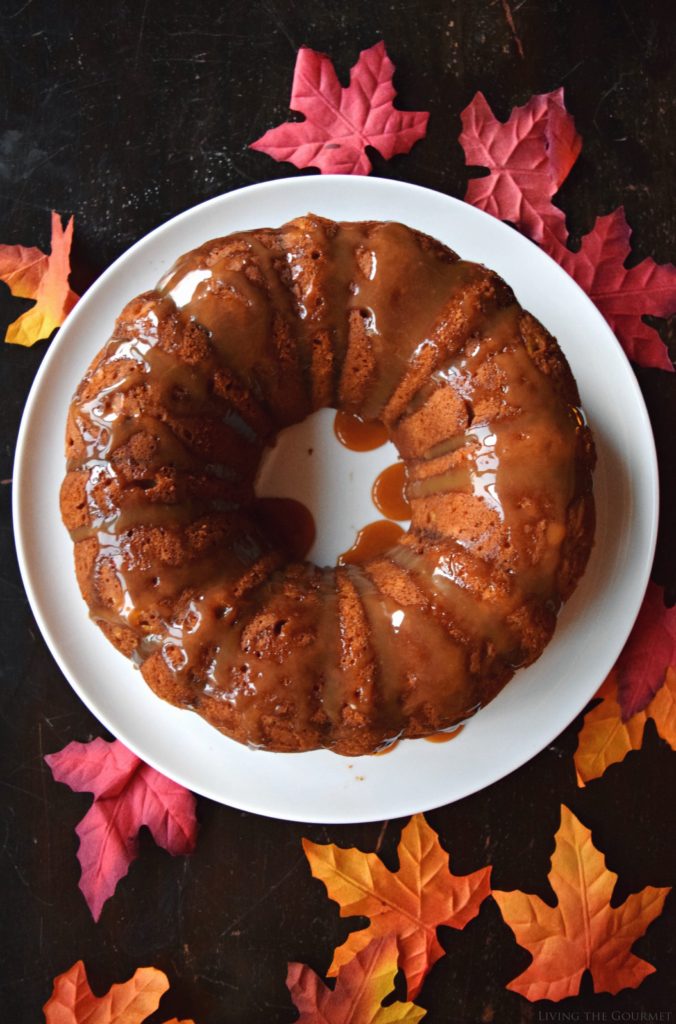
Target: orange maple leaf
(605, 739)
(411, 902)
(31, 274)
(582, 932)
(360, 989)
(73, 1002)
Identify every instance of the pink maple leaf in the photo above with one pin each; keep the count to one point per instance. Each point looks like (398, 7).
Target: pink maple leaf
(648, 653)
(341, 123)
(127, 795)
(623, 295)
(529, 157)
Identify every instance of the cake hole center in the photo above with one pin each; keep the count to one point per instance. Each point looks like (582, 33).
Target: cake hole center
(308, 464)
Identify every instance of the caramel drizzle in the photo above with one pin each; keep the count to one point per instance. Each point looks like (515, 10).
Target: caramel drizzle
(372, 540)
(180, 560)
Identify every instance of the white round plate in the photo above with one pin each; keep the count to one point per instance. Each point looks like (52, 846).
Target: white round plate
(538, 703)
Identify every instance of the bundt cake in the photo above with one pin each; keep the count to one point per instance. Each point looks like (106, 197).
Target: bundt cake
(249, 334)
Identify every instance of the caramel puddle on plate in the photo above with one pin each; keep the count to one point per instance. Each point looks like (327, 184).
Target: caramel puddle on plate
(388, 492)
(444, 737)
(372, 540)
(386, 750)
(436, 737)
(357, 434)
(289, 523)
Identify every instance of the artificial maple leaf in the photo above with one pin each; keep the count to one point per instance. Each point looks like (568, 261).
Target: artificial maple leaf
(529, 157)
(648, 653)
(339, 122)
(31, 274)
(360, 989)
(623, 295)
(411, 902)
(73, 1002)
(606, 737)
(127, 795)
(582, 932)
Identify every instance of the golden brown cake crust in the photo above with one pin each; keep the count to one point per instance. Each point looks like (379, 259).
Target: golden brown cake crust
(250, 333)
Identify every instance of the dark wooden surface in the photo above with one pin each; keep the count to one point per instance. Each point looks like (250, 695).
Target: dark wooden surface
(125, 114)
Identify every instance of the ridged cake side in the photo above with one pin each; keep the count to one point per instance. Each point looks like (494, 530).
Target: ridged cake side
(250, 333)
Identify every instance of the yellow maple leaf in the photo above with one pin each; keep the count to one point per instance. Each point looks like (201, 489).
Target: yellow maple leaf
(605, 739)
(32, 274)
(582, 932)
(360, 989)
(73, 1002)
(411, 902)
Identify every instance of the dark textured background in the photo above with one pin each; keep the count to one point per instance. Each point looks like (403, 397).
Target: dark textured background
(125, 114)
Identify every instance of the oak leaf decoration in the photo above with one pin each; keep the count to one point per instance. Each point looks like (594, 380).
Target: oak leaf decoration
(127, 795)
(582, 931)
(410, 902)
(73, 1002)
(529, 157)
(32, 274)
(361, 986)
(340, 123)
(607, 737)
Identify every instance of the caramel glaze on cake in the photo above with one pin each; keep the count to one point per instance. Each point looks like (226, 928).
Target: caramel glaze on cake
(251, 333)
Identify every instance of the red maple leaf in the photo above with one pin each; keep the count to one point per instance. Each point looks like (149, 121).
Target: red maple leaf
(341, 123)
(127, 795)
(32, 274)
(648, 653)
(623, 295)
(528, 156)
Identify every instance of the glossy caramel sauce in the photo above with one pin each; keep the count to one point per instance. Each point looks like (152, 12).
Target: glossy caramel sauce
(388, 492)
(444, 737)
(387, 749)
(288, 523)
(435, 737)
(178, 563)
(357, 434)
(372, 540)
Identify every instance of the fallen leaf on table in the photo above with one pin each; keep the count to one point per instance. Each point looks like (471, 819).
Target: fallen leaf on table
(582, 932)
(648, 653)
(32, 274)
(411, 902)
(73, 1002)
(360, 989)
(339, 123)
(528, 156)
(606, 738)
(127, 795)
(623, 295)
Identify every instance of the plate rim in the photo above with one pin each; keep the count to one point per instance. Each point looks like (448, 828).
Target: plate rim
(21, 474)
